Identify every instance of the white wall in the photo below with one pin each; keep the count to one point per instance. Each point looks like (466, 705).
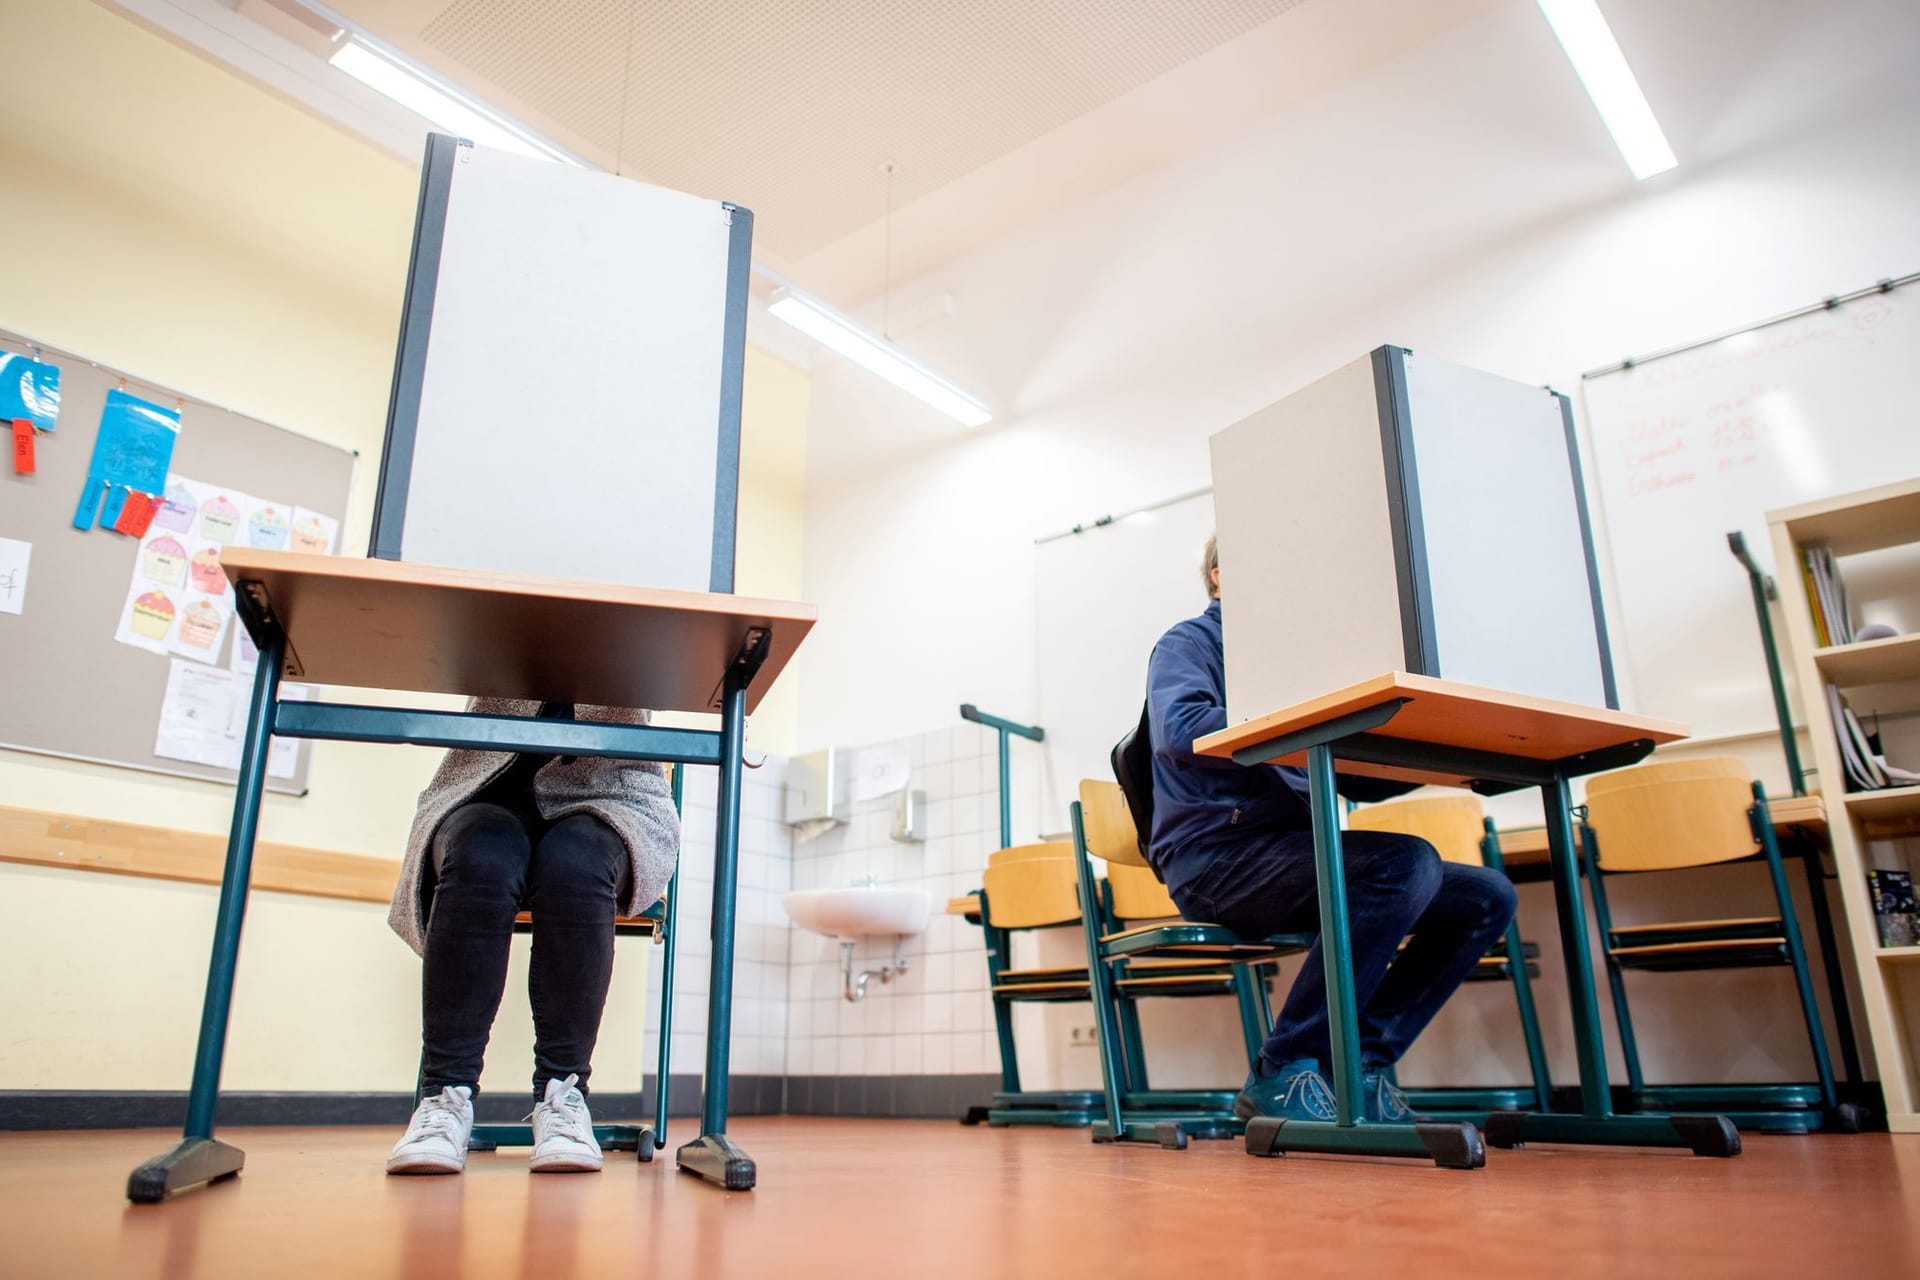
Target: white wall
(1461, 199)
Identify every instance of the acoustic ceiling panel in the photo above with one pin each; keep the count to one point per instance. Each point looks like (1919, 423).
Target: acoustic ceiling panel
(791, 106)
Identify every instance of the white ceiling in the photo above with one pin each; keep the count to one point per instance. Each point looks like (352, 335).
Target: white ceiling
(993, 112)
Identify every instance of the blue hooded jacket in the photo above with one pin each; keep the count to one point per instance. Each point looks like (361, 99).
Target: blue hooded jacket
(1201, 803)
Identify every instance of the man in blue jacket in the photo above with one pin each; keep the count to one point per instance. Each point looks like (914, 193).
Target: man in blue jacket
(1235, 847)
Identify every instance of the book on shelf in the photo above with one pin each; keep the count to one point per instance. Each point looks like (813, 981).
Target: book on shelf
(1827, 595)
(1864, 772)
(1894, 909)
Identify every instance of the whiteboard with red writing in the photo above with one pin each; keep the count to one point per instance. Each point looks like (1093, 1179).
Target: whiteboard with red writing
(1691, 446)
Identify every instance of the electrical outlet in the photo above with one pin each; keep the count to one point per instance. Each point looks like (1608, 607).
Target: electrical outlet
(1085, 1038)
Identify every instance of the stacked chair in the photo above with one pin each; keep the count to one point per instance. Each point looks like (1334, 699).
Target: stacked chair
(1458, 828)
(1694, 813)
(1122, 951)
(1035, 888)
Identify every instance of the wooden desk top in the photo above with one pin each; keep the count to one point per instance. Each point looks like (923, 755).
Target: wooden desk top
(380, 624)
(1449, 713)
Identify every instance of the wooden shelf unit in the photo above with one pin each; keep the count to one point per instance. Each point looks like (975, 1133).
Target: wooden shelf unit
(1872, 520)
(1870, 661)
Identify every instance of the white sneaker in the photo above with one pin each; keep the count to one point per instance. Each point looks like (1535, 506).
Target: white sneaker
(436, 1138)
(563, 1132)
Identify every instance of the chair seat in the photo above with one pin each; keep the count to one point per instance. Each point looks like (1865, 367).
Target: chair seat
(1682, 933)
(1696, 926)
(1153, 976)
(1183, 939)
(1714, 953)
(645, 925)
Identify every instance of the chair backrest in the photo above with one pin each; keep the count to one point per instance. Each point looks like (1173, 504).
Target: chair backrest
(1132, 760)
(1452, 824)
(1108, 824)
(1031, 886)
(1674, 813)
(1138, 894)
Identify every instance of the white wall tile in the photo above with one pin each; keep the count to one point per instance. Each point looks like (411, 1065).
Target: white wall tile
(939, 1012)
(937, 1059)
(908, 1054)
(970, 1012)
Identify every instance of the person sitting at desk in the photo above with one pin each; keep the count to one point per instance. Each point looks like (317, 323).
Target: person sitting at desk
(1235, 847)
(575, 840)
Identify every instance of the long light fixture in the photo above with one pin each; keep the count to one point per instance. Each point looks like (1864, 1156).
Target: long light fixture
(420, 94)
(838, 332)
(1583, 32)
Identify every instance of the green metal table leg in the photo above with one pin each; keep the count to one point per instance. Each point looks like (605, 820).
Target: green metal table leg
(714, 1156)
(1453, 1145)
(670, 944)
(198, 1157)
(1336, 945)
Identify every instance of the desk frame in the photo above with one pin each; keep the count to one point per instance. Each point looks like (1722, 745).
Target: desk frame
(1351, 737)
(199, 1157)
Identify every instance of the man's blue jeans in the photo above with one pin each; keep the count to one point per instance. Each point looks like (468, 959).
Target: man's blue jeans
(1396, 886)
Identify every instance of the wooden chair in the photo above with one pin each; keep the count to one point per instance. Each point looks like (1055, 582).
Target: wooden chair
(1458, 828)
(1692, 813)
(1033, 888)
(1116, 950)
(656, 922)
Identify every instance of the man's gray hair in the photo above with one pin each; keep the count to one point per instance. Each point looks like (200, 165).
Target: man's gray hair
(1209, 564)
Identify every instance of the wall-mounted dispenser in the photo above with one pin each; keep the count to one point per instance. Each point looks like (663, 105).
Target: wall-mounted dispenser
(817, 788)
(909, 816)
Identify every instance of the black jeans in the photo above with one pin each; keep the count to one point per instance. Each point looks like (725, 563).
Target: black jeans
(1396, 885)
(490, 862)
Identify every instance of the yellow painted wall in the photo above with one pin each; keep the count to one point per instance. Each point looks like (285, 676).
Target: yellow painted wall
(170, 218)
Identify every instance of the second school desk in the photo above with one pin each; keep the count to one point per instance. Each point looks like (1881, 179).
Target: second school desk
(377, 624)
(1440, 732)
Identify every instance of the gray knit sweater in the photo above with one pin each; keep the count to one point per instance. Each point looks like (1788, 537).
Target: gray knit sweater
(630, 796)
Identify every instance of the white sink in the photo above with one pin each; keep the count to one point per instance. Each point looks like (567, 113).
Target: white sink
(861, 911)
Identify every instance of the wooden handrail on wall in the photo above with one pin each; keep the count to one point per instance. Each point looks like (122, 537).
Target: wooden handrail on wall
(42, 839)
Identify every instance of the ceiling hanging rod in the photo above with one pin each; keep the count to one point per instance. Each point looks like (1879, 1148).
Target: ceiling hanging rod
(1106, 520)
(1827, 304)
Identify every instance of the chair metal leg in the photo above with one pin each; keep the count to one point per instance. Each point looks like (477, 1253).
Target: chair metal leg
(198, 1158)
(1616, 977)
(669, 946)
(999, 944)
(713, 1156)
(1796, 951)
(1253, 1026)
(1830, 961)
(1133, 1045)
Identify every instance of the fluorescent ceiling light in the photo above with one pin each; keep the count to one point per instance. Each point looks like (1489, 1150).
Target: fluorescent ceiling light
(875, 354)
(1603, 69)
(414, 90)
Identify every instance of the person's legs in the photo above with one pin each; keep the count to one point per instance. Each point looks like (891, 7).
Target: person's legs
(1467, 916)
(579, 875)
(1268, 886)
(480, 855)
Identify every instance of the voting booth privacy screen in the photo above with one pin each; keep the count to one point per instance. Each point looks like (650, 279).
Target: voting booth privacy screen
(566, 399)
(1406, 514)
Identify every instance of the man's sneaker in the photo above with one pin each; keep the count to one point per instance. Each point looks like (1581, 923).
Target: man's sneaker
(563, 1131)
(1382, 1102)
(436, 1137)
(1295, 1092)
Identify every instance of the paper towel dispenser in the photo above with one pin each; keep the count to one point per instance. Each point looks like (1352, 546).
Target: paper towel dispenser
(818, 787)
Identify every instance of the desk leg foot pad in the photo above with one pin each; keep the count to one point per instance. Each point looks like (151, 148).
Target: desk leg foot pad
(719, 1160)
(193, 1162)
(1263, 1136)
(1707, 1135)
(1453, 1146)
(1503, 1129)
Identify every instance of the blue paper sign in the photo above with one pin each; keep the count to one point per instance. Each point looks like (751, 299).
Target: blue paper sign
(133, 451)
(29, 389)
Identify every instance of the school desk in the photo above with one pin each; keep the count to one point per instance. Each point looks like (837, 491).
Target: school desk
(379, 624)
(1440, 732)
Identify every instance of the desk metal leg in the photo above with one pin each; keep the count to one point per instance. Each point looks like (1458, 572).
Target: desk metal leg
(1450, 1145)
(198, 1157)
(713, 1155)
(1705, 1135)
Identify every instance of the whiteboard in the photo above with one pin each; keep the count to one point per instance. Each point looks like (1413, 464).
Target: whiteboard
(1693, 445)
(573, 411)
(1105, 596)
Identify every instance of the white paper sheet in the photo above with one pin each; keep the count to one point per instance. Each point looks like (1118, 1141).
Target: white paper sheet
(203, 720)
(14, 555)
